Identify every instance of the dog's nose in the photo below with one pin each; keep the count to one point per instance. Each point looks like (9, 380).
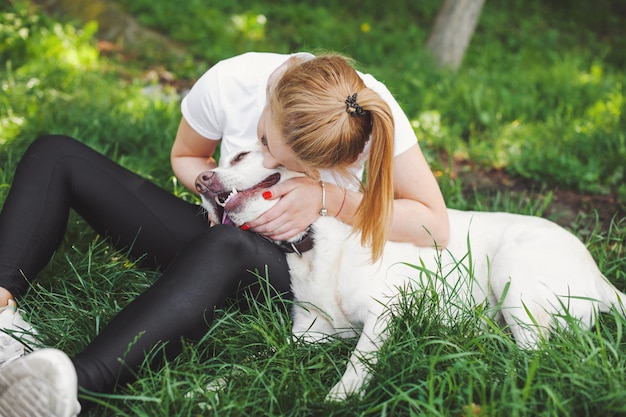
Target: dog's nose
(203, 180)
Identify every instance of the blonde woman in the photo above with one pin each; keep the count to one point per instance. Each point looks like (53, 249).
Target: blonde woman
(316, 115)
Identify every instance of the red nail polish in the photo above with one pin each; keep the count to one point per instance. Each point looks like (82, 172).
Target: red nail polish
(267, 195)
(244, 227)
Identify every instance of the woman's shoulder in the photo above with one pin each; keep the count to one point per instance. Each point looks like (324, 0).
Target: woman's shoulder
(250, 60)
(245, 72)
(378, 86)
(253, 62)
(242, 71)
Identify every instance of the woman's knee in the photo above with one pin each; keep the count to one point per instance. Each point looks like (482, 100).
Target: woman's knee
(53, 146)
(227, 241)
(236, 255)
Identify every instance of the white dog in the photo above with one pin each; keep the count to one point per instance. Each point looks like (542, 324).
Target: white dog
(533, 273)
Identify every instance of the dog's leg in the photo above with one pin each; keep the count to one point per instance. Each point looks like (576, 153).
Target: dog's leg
(311, 325)
(357, 374)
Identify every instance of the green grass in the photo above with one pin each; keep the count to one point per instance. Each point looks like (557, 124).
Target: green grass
(426, 368)
(541, 94)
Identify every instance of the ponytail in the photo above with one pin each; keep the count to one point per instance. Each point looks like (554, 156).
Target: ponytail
(374, 214)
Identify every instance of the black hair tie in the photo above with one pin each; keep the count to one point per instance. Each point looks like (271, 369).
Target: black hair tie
(353, 108)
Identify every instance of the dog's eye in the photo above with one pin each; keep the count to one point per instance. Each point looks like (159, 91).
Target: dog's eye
(240, 156)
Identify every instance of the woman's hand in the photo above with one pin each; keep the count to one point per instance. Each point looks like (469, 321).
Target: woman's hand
(299, 206)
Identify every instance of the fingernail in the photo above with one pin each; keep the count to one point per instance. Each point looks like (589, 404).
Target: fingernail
(267, 195)
(244, 227)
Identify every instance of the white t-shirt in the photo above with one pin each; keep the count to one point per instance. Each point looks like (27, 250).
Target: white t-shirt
(226, 104)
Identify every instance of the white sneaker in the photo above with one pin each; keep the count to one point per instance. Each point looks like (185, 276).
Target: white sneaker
(17, 336)
(41, 384)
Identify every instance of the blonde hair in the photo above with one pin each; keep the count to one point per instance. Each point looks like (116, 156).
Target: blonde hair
(308, 102)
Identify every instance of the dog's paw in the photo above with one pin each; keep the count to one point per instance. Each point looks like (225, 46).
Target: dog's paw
(337, 394)
(342, 390)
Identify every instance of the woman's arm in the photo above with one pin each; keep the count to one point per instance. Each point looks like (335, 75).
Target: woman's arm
(420, 215)
(191, 154)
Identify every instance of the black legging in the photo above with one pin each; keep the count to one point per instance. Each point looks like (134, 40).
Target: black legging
(203, 267)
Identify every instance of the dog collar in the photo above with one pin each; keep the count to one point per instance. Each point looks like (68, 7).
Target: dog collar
(299, 247)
